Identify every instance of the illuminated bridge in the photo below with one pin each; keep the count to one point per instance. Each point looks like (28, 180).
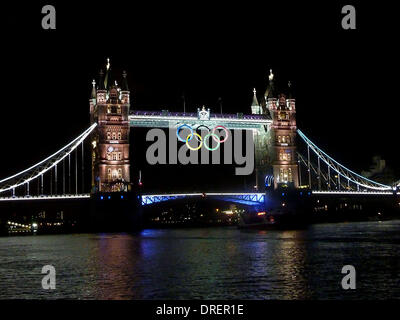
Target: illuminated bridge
(284, 156)
(60, 168)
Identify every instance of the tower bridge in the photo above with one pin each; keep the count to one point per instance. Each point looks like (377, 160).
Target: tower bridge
(278, 163)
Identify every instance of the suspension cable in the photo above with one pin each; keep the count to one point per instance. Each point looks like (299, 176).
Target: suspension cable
(47, 163)
(347, 173)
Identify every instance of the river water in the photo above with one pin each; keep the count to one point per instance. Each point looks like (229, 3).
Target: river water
(207, 263)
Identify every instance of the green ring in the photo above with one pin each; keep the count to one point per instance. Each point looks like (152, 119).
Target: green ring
(205, 142)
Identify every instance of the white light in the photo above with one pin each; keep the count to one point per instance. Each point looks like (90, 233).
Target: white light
(55, 197)
(316, 150)
(75, 143)
(354, 192)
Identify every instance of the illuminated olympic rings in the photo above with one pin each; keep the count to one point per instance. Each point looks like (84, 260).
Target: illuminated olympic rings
(191, 136)
(226, 133)
(180, 128)
(212, 134)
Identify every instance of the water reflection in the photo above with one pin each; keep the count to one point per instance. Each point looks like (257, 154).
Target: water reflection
(209, 263)
(291, 260)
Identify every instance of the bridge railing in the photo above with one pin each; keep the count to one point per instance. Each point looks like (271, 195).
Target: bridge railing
(194, 115)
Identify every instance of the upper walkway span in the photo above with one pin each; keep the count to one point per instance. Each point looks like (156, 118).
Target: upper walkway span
(166, 119)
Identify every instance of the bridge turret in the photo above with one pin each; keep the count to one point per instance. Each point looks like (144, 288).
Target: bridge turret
(255, 106)
(282, 137)
(125, 89)
(92, 101)
(110, 141)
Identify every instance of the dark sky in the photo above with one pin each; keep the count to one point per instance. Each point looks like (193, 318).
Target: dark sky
(345, 82)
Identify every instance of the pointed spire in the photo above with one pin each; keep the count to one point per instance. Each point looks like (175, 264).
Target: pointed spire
(108, 79)
(124, 81)
(94, 89)
(269, 93)
(101, 80)
(255, 106)
(271, 75)
(289, 89)
(255, 101)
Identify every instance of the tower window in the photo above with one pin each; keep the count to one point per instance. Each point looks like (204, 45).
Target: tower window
(285, 155)
(109, 174)
(119, 135)
(108, 135)
(285, 175)
(120, 174)
(114, 175)
(283, 115)
(114, 136)
(283, 139)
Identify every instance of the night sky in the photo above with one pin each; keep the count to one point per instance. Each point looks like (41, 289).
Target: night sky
(345, 81)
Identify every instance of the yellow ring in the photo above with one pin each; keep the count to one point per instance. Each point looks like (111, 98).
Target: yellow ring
(187, 142)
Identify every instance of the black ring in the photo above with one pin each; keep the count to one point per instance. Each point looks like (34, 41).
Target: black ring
(202, 125)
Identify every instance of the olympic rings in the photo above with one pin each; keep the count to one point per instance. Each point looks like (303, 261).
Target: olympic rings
(207, 147)
(191, 136)
(226, 133)
(212, 134)
(180, 128)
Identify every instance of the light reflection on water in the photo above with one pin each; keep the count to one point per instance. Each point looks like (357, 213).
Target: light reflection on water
(208, 263)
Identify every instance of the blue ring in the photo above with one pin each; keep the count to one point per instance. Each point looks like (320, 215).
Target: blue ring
(179, 129)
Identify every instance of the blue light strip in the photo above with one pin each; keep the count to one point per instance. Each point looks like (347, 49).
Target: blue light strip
(245, 198)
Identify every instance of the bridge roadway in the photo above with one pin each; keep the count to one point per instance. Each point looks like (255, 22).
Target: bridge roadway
(243, 198)
(166, 119)
(248, 198)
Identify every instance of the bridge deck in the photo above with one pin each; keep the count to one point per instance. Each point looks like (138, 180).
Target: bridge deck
(47, 197)
(248, 197)
(165, 119)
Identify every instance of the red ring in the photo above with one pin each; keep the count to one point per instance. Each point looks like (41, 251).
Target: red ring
(226, 133)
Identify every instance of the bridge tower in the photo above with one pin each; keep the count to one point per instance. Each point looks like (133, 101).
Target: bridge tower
(282, 136)
(109, 108)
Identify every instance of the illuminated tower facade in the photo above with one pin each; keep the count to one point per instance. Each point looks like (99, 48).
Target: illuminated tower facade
(282, 137)
(109, 108)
